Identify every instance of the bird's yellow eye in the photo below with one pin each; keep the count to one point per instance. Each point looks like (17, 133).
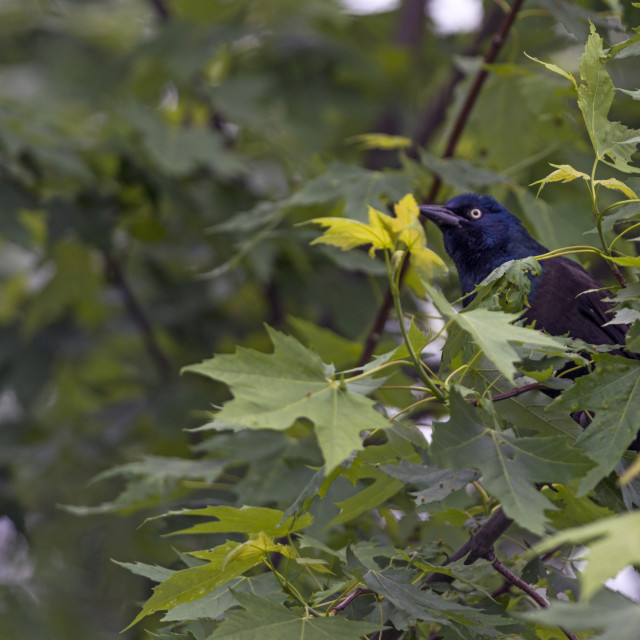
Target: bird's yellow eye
(475, 214)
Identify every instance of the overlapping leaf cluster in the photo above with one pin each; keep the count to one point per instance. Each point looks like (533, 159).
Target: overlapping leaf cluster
(496, 448)
(160, 165)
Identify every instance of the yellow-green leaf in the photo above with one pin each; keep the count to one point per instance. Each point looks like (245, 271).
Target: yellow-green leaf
(563, 173)
(348, 234)
(613, 544)
(381, 141)
(614, 183)
(555, 68)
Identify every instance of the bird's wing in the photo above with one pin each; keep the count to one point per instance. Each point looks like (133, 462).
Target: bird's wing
(561, 306)
(592, 305)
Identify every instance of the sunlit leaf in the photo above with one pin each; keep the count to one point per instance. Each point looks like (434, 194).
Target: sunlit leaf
(272, 391)
(563, 173)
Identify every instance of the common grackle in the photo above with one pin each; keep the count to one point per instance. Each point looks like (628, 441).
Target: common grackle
(480, 234)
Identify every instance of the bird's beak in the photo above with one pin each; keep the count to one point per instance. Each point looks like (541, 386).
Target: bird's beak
(442, 216)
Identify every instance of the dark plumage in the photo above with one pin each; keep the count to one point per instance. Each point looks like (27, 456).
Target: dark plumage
(480, 234)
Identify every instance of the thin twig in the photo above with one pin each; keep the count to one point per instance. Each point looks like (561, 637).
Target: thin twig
(438, 108)
(512, 393)
(411, 24)
(161, 10)
(350, 598)
(470, 101)
(138, 316)
(379, 323)
(477, 546)
(515, 580)
(524, 586)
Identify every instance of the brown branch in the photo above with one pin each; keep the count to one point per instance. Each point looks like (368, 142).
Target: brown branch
(480, 545)
(139, 318)
(472, 96)
(385, 308)
(411, 24)
(350, 598)
(512, 393)
(524, 586)
(477, 546)
(161, 10)
(438, 108)
(511, 577)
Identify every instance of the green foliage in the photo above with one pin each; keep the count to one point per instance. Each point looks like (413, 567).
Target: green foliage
(612, 392)
(273, 391)
(177, 175)
(267, 619)
(612, 546)
(509, 465)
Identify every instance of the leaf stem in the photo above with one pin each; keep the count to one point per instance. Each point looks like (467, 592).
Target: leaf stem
(395, 292)
(565, 251)
(619, 204)
(599, 215)
(411, 406)
(370, 372)
(622, 233)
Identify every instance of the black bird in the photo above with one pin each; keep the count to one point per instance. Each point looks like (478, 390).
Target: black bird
(480, 234)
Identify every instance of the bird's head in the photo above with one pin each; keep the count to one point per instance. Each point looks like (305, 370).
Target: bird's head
(480, 234)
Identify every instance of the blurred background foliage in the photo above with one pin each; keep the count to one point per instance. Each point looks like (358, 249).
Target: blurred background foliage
(156, 159)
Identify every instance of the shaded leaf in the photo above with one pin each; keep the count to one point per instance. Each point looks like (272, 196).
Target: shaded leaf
(358, 187)
(382, 488)
(268, 620)
(510, 466)
(613, 544)
(612, 391)
(460, 174)
(611, 615)
(434, 484)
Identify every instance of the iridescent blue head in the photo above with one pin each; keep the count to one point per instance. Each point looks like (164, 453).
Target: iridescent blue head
(480, 234)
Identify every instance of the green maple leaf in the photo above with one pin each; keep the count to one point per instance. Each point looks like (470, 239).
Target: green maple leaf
(614, 616)
(613, 544)
(612, 391)
(272, 391)
(358, 187)
(510, 466)
(396, 586)
(494, 333)
(614, 143)
(224, 563)
(244, 520)
(265, 619)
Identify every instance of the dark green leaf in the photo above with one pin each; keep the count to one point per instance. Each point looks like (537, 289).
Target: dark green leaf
(510, 466)
(612, 391)
(268, 620)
